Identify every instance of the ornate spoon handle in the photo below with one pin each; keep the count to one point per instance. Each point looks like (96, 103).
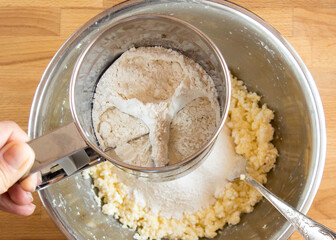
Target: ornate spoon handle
(308, 228)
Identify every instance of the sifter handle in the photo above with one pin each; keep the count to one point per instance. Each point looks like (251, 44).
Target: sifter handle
(53, 147)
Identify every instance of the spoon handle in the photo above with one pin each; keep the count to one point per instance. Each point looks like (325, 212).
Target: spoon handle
(307, 227)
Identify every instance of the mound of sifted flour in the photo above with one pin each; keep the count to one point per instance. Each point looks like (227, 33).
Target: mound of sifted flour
(159, 92)
(186, 195)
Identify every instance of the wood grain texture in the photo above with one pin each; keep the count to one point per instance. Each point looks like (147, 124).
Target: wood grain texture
(52, 3)
(73, 18)
(31, 31)
(280, 17)
(19, 22)
(321, 22)
(285, 3)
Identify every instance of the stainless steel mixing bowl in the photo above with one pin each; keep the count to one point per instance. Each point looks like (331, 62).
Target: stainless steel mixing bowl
(256, 53)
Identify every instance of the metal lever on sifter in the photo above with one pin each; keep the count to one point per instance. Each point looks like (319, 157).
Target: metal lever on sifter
(60, 154)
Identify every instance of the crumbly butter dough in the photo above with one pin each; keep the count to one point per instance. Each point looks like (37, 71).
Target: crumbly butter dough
(251, 133)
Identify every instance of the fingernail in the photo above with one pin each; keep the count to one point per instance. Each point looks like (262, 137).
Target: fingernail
(30, 196)
(33, 206)
(39, 178)
(17, 155)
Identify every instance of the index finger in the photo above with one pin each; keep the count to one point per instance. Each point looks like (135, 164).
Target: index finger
(10, 131)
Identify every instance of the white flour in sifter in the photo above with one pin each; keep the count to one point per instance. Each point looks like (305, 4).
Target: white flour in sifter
(156, 91)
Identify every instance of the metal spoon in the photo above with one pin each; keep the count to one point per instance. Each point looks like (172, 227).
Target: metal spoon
(307, 227)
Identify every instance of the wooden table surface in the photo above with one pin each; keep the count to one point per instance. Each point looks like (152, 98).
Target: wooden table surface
(31, 31)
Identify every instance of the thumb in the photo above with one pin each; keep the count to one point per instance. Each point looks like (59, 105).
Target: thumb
(16, 158)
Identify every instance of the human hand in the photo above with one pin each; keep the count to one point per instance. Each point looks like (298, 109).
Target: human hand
(16, 158)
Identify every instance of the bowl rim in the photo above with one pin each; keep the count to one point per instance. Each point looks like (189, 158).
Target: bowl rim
(318, 107)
